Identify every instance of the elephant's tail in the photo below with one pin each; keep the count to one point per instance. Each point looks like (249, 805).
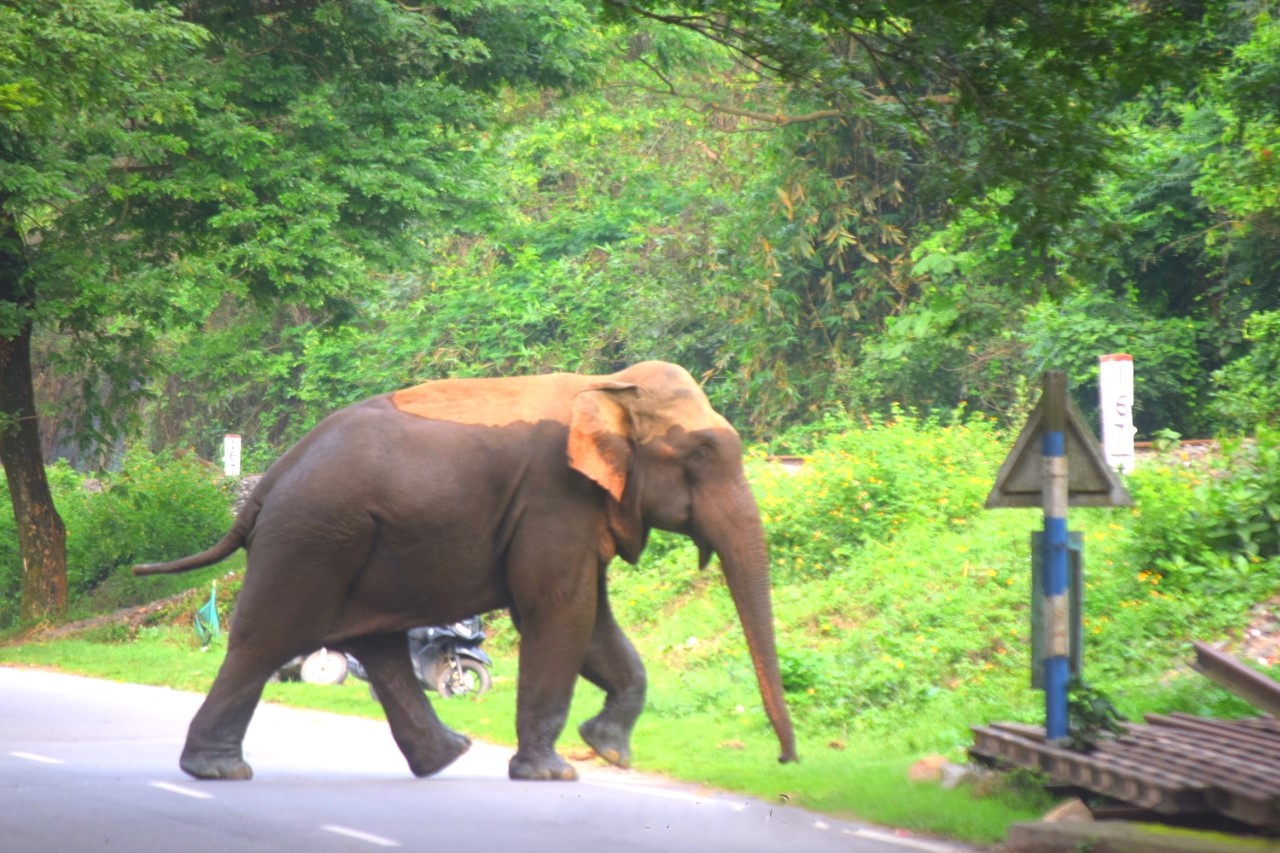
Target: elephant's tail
(225, 547)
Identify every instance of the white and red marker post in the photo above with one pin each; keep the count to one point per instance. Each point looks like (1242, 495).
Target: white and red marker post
(231, 455)
(1115, 408)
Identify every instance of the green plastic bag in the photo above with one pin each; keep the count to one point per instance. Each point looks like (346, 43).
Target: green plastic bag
(206, 622)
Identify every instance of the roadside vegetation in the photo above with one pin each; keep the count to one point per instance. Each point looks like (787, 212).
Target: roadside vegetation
(901, 605)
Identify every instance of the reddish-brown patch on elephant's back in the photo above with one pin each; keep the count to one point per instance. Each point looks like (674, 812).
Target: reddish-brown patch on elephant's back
(492, 402)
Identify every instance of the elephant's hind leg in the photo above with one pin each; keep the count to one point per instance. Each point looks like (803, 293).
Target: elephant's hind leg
(215, 737)
(613, 665)
(427, 744)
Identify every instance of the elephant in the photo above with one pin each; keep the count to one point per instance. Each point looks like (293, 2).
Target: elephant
(458, 496)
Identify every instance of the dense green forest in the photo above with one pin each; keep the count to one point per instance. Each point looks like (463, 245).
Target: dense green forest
(669, 199)
(227, 217)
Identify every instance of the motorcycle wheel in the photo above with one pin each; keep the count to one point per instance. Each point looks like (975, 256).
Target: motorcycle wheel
(470, 678)
(324, 667)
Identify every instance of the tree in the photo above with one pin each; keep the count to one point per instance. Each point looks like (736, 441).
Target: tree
(898, 117)
(1167, 258)
(791, 231)
(982, 96)
(154, 165)
(71, 81)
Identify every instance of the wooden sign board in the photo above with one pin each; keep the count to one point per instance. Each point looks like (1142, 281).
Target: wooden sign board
(1090, 480)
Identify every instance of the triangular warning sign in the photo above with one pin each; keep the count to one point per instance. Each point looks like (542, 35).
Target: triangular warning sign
(1090, 480)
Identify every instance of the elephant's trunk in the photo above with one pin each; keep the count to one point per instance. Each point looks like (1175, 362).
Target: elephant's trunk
(731, 526)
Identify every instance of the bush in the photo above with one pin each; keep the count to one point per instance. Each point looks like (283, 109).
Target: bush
(152, 509)
(862, 483)
(1212, 531)
(10, 561)
(1245, 391)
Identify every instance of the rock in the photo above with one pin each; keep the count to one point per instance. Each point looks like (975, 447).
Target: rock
(1106, 836)
(243, 489)
(1072, 809)
(927, 769)
(955, 775)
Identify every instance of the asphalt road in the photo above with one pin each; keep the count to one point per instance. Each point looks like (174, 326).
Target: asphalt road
(92, 765)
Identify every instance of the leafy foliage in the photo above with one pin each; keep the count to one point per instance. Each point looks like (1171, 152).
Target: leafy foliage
(865, 483)
(152, 509)
(806, 205)
(1216, 533)
(588, 269)
(1071, 334)
(1168, 254)
(935, 78)
(301, 148)
(795, 240)
(1090, 716)
(1246, 392)
(153, 168)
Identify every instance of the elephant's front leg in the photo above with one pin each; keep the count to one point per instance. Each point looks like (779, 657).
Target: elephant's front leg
(427, 744)
(613, 665)
(555, 619)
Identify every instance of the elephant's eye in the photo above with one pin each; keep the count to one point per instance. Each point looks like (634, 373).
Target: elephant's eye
(700, 452)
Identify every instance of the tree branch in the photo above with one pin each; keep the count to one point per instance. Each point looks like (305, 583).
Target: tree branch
(706, 105)
(200, 13)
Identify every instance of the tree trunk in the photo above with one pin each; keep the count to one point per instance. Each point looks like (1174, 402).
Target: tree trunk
(42, 538)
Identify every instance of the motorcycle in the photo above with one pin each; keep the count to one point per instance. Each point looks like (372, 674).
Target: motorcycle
(446, 659)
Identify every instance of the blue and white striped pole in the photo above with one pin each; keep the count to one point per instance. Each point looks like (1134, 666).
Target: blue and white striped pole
(1057, 644)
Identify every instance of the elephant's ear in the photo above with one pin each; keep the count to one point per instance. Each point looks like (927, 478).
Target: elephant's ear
(600, 434)
(601, 437)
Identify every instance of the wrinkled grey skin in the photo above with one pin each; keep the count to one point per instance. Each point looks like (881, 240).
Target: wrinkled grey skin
(457, 497)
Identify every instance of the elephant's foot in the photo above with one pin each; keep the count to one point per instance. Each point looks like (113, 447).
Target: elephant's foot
(543, 766)
(214, 765)
(443, 749)
(610, 741)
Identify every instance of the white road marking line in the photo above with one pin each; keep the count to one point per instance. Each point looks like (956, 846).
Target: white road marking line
(912, 844)
(685, 796)
(368, 837)
(178, 789)
(43, 759)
